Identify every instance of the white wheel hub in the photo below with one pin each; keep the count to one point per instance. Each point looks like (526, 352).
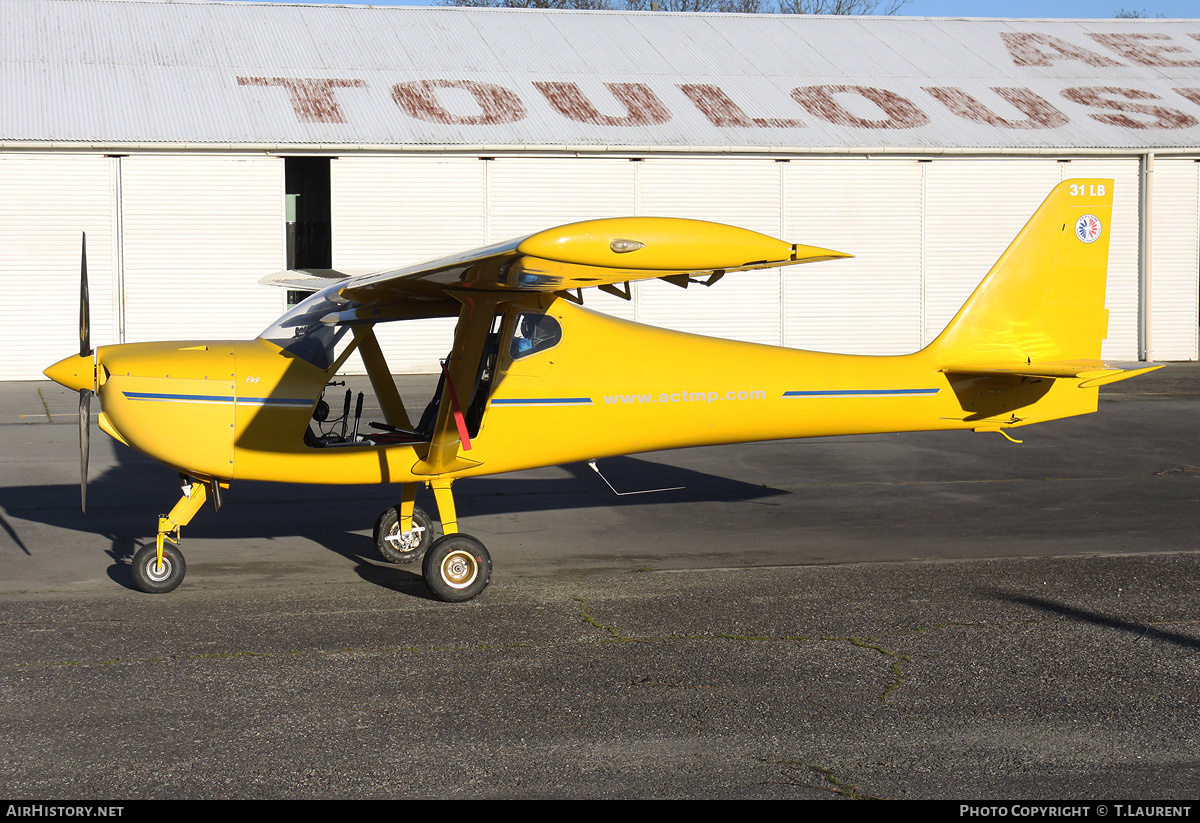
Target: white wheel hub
(156, 572)
(406, 541)
(459, 569)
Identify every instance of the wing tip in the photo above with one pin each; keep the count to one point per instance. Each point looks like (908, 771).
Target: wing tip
(802, 253)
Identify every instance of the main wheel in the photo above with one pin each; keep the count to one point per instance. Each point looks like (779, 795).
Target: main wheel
(457, 568)
(151, 578)
(403, 548)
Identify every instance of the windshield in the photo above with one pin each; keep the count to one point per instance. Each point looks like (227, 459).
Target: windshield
(302, 333)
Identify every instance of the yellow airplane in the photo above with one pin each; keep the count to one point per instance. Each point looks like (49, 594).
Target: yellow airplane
(534, 379)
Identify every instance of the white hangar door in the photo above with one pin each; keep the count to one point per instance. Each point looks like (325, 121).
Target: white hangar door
(870, 304)
(973, 210)
(49, 202)
(746, 193)
(395, 211)
(1175, 260)
(199, 231)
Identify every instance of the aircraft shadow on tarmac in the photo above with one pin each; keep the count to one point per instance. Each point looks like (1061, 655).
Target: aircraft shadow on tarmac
(126, 499)
(1085, 616)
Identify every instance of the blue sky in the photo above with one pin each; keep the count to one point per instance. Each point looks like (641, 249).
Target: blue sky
(981, 8)
(1051, 8)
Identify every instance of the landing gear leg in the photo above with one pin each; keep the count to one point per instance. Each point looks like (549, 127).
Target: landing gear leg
(445, 505)
(457, 567)
(160, 568)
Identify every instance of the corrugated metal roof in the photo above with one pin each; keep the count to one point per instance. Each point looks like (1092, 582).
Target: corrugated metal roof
(124, 72)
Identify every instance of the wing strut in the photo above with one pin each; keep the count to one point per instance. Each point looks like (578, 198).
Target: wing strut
(394, 412)
(461, 369)
(460, 422)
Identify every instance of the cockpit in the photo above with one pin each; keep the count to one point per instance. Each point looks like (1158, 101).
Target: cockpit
(516, 333)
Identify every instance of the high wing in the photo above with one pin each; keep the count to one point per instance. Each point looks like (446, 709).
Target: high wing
(599, 253)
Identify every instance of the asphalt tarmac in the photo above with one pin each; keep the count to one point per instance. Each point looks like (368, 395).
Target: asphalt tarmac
(932, 615)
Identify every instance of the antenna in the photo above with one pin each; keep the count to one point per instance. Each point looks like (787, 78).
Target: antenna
(596, 469)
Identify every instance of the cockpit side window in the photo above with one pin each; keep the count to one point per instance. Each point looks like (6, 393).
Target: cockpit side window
(532, 333)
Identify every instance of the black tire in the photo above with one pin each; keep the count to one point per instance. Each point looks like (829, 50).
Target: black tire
(149, 578)
(403, 552)
(457, 568)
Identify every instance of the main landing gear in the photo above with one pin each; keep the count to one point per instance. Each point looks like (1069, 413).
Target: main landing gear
(456, 566)
(403, 546)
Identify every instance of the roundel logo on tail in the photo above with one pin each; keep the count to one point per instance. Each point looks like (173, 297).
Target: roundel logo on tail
(1087, 228)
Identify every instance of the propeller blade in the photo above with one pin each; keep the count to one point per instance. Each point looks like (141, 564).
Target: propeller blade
(85, 321)
(85, 436)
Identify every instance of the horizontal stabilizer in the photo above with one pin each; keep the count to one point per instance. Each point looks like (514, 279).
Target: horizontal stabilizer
(1090, 372)
(1115, 375)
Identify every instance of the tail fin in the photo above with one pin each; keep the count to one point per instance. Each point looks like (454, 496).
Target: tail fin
(1043, 300)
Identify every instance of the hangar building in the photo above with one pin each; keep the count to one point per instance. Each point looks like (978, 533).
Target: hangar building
(204, 145)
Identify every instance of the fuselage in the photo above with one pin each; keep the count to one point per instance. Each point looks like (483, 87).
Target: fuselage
(239, 410)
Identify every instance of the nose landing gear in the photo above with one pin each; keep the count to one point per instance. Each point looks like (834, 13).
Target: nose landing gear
(155, 577)
(160, 568)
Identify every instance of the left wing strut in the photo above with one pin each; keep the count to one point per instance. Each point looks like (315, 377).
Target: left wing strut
(456, 409)
(450, 432)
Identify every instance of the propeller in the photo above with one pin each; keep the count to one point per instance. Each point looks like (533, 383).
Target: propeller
(85, 395)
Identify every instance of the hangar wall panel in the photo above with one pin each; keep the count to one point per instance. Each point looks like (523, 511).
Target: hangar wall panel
(870, 304)
(49, 201)
(199, 231)
(1121, 298)
(747, 193)
(1175, 257)
(395, 211)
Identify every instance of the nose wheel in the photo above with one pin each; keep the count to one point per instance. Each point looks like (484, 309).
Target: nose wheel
(153, 577)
